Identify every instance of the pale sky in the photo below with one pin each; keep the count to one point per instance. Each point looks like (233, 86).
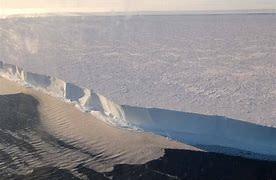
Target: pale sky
(132, 5)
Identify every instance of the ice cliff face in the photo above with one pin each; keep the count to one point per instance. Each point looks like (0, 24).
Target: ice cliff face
(213, 133)
(83, 98)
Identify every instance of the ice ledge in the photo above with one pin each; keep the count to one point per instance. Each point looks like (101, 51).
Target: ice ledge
(212, 133)
(83, 98)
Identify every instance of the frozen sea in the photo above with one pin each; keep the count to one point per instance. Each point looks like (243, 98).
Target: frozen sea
(207, 64)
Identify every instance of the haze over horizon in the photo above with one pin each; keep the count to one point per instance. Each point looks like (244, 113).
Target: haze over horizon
(9, 7)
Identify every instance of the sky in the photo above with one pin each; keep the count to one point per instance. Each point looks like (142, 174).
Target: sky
(131, 5)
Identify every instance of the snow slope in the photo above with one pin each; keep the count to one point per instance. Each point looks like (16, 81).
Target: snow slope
(218, 133)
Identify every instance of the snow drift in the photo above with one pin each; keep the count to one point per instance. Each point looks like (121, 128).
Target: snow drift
(213, 132)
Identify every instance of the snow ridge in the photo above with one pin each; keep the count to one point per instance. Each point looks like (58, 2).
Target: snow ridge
(209, 132)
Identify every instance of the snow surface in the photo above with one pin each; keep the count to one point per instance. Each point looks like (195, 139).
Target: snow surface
(195, 129)
(213, 64)
(206, 64)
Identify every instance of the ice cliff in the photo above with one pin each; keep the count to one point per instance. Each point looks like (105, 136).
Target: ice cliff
(213, 133)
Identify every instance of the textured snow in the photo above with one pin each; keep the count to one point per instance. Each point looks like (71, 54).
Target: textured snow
(214, 64)
(194, 129)
(217, 65)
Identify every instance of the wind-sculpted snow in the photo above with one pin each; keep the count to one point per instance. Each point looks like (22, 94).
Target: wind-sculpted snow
(215, 133)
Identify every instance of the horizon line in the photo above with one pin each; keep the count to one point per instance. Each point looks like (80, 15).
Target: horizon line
(31, 11)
